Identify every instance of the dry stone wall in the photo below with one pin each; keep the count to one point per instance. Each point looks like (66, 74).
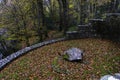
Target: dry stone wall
(8, 59)
(84, 31)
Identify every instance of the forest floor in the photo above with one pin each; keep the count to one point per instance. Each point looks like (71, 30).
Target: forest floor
(101, 57)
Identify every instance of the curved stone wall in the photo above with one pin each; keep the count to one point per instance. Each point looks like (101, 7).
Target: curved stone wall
(8, 59)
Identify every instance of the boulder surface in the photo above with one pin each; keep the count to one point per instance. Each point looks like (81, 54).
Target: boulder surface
(74, 54)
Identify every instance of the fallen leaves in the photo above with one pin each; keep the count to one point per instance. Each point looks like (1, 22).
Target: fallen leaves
(101, 57)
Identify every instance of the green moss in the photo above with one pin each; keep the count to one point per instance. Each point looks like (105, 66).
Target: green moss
(66, 56)
(73, 28)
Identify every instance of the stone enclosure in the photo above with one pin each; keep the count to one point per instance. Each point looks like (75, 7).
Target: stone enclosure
(83, 31)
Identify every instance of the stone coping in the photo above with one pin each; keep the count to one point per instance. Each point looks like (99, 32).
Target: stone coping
(96, 20)
(10, 58)
(113, 14)
(87, 25)
(70, 32)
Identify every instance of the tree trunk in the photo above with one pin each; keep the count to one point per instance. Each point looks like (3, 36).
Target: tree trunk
(25, 32)
(65, 13)
(39, 31)
(41, 21)
(60, 15)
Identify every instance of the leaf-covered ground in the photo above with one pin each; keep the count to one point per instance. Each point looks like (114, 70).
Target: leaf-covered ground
(101, 57)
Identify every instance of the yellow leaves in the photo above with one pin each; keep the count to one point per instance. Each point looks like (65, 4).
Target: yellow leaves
(71, 6)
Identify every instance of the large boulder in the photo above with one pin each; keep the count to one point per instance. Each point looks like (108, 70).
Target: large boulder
(73, 54)
(116, 76)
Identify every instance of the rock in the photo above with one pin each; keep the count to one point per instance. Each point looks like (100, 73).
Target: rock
(73, 54)
(116, 76)
(105, 77)
(112, 78)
